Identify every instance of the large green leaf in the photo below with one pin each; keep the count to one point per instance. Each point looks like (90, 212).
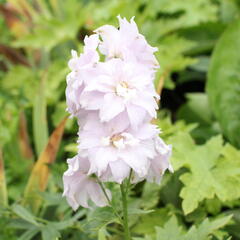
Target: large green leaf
(223, 85)
(173, 231)
(214, 169)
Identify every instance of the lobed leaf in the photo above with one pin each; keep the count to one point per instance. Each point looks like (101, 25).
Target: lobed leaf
(214, 170)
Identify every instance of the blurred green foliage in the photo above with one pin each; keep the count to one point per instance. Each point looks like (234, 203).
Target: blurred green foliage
(198, 44)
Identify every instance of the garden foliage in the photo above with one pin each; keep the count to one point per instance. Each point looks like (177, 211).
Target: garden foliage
(199, 83)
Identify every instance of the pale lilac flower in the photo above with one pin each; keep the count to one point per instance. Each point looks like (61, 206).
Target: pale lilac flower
(119, 88)
(79, 188)
(160, 163)
(114, 101)
(120, 150)
(126, 43)
(81, 66)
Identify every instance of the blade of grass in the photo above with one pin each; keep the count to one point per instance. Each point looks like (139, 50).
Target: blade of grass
(40, 126)
(3, 187)
(39, 176)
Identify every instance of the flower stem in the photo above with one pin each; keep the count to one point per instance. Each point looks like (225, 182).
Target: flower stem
(109, 201)
(125, 210)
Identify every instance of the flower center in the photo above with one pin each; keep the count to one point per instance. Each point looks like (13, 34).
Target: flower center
(120, 141)
(123, 90)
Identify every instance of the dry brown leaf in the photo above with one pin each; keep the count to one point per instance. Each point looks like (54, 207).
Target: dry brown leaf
(25, 146)
(39, 176)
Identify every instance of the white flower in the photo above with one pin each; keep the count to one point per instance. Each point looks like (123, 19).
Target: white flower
(121, 88)
(79, 188)
(114, 101)
(110, 148)
(126, 43)
(80, 68)
(160, 163)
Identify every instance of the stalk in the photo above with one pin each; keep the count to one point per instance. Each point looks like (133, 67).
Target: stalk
(124, 192)
(125, 212)
(109, 201)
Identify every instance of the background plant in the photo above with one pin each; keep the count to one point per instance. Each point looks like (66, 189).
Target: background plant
(198, 45)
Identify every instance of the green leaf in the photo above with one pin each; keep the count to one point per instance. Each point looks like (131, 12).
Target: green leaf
(147, 223)
(99, 218)
(171, 57)
(192, 13)
(52, 30)
(69, 222)
(173, 231)
(150, 195)
(49, 232)
(230, 10)
(223, 85)
(40, 127)
(24, 214)
(196, 109)
(170, 231)
(169, 129)
(205, 36)
(29, 234)
(21, 224)
(21, 80)
(102, 234)
(137, 211)
(206, 228)
(214, 169)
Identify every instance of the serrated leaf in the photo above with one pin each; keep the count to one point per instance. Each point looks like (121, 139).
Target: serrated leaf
(169, 129)
(214, 169)
(173, 231)
(170, 231)
(223, 84)
(206, 228)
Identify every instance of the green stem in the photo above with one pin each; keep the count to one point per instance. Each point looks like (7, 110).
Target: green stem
(125, 211)
(108, 200)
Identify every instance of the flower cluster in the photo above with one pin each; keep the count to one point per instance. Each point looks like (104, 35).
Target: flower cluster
(114, 101)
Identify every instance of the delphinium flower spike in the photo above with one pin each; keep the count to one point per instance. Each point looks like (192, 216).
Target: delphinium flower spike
(114, 101)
